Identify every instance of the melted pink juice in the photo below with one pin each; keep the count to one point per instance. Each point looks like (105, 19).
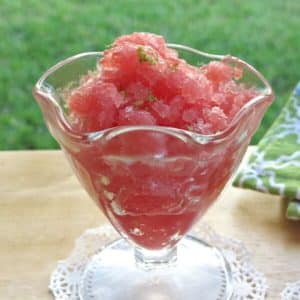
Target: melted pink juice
(142, 82)
(154, 203)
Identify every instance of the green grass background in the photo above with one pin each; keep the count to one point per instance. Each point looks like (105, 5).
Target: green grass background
(36, 34)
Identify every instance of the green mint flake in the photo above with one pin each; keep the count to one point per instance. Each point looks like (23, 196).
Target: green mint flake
(124, 93)
(138, 103)
(152, 98)
(174, 67)
(145, 57)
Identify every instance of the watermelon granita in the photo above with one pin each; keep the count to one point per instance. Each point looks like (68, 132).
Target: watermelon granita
(142, 82)
(150, 183)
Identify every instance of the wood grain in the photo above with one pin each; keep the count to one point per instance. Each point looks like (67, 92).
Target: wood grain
(43, 209)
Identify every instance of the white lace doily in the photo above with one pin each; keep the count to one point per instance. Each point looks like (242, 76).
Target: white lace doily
(291, 291)
(248, 283)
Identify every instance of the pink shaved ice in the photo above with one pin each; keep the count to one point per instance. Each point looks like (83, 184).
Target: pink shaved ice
(140, 81)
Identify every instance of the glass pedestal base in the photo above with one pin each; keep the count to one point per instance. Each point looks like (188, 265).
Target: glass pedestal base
(200, 272)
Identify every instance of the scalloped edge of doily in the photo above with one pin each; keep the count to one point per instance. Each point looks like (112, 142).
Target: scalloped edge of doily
(291, 291)
(66, 277)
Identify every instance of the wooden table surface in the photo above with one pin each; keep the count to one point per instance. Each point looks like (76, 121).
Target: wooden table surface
(43, 209)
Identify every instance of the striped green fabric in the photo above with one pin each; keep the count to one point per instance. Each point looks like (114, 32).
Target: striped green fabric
(275, 166)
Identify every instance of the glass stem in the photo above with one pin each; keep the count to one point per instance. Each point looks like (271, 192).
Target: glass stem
(150, 259)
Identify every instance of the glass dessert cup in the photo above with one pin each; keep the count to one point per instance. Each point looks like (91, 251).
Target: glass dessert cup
(152, 183)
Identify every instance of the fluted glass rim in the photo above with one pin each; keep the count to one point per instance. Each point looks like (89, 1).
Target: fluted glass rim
(268, 95)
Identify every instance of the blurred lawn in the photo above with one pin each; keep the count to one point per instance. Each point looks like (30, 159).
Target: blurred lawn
(36, 34)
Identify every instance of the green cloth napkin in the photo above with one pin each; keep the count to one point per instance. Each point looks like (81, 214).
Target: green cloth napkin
(275, 166)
